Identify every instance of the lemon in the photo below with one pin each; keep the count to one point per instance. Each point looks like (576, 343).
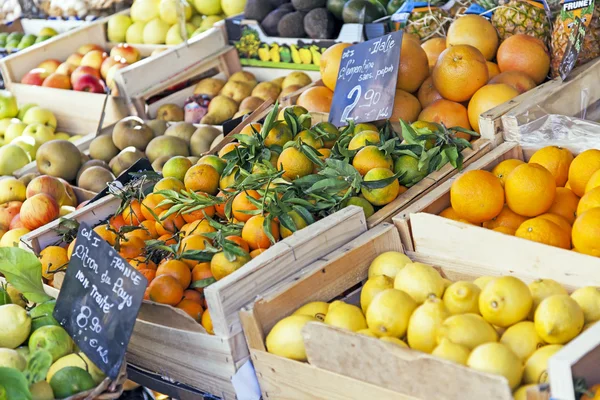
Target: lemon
(41, 391)
(346, 316)
(537, 364)
(394, 340)
(452, 351)
(79, 360)
(521, 392)
(420, 281)
(334, 304)
(10, 358)
(16, 297)
(588, 299)
(542, 288)
(496, 358)
(558, 319)
(482, 281)
(372, 287)
(505, 301)
(285, 339)
(462, 297)
(424, 323)
(522, 339)
(316, 309)
(388, 263)
(15, 326)
(366, 332)
(389, 313)
(469, 330)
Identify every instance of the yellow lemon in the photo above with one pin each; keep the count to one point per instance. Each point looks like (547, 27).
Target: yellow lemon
(588, 299)
(469, 330)
(420, 281)
(424, 323)
(462, 297)
(372, 287)
(388, 263)
(366, 332)
(542, 288)
(316, 309)
(346, 316)
(482, 281)
(558, 319)
(389, 313)
(394, 340)
(505, 301)
(522, 339)
(285, 339)
(452, 351)
(496, 358)
(537, 364)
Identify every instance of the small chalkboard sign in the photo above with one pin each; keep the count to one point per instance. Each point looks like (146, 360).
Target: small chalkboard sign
(366, 84)
(99, 300)
(141, 165)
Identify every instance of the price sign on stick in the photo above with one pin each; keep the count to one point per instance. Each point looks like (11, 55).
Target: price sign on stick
(99, 300)
(366, 83)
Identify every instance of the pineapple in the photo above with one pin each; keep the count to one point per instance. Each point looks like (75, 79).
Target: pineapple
(514, 16)
(488, 4)
(428, 24)
(560, 38)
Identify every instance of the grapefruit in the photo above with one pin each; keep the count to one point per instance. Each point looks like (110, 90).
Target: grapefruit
(460, 71)
(476, 31)
(526, 54)
(487, 98)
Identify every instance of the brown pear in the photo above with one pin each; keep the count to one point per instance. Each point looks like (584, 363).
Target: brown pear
(170, 112)
(202, 139)
(166, 146)
(158, 126)
(181, 130)
(209, 86)
(266, 91)
(235, 90)
(244, 76)
(103, 148)
(132, 131)
(95, 179)
(125, 159)
(251, 103)
(92, 163)
(59, 158)
(159, 163)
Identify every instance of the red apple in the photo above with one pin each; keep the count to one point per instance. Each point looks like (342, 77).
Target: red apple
(16, 223)
(109, 62)
(35, 77)
(84, 70)
(94, 59)
(75, 59)
(39, 210)
(65, 69)
(49, 185)
(88, 83)
(49, 65)
(8, 212)
(86, 48)
(129, 53)
(58, 81)
(110, 75)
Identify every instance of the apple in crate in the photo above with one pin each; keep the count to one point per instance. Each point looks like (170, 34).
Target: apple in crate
(86, 48)
(88, 83)
(75, 59)
(39, 210)
(66, 69)
(83, 70)
(12, 157)
(49, 185)
(41, 133)
(8, 211)
(108, 63)
(8, 105)
(110, 75)
(28, 144)
(117, 27)
(94, 59)
(16, 223)
(14, 130)
(57, 81)
(39, 115)
(127, 52)
(49, 65)
(35, 77)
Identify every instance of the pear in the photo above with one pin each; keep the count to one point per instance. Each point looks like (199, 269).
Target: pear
(103, 148)
(95, 179)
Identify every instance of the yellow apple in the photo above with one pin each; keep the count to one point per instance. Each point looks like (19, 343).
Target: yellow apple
(135, 33)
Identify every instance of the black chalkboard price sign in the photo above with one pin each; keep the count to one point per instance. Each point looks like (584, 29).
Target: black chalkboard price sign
(99, 300)
(366, 84)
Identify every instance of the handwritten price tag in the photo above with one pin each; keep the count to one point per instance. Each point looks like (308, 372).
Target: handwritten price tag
(366, 83)
(100, 300)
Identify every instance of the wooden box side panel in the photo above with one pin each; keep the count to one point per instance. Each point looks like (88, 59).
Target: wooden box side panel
(227, 296)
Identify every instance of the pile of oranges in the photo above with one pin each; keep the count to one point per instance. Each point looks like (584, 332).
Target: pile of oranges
(553, 199)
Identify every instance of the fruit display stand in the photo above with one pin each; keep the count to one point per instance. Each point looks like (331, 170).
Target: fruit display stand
(346, 365)
(424, 231)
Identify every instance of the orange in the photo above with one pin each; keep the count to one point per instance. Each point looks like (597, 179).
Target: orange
(493, 71)
(220, 208)
(363, 139)
(406, 107)
(70, 249)
(294, 163)
(581, 170)
(565, 204)
(308, 137)
(169, 183)
(279, 135)
(239, 241)
(486, 98)
(229, 147)
(207, 323)
(53, 259)
(191, 243)
(132, 214)
(165, 289)
(316, 99)
(507, 218)
(516, 79)
(191, 294)
(433, 48)
(257, 252)
(526, 54)
(298, 221)
(202, 178)
(247, 130)
(427, 93)
(589, 200)
(329, 64)
(593, 182)
(131, 247)
(200, 272)
(447, 112)
(530, 190)
(506, 167)
(558, 220)
(413, 67)
(476, 31)
(506, 230)
(143, 233)
(191, 308)
(594, 391)
(451, 214)
(241, 203)
(168, 239)
(555, 159)
(220, 266)
(384, 195)
(142, 263)
(544, 231)
(459, 72)
(254, 234)
(371, 157)
(149, 274)
(117, 222)
(150, 207)
(178, 270)
(477, 196)
(586, 232)
(197, 228)
(106, 233)
(168, 225)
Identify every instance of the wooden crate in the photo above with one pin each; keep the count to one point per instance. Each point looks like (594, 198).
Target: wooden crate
(346, 365)
(424, 231)
(172, 344)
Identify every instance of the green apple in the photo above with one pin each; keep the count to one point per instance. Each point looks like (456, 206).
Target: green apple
(12, 158)
(28, 144)
(39, 115)
(144, 10)
(40, 39)
(168, 11)
(135, 33)
(8, 105)
(27, 41)
(209, 21)
(62, 136)
(174, 34)
(232, 7)
(117, 27)
(5, 123)
(197, 20)
(155, 31)
(41, 133)
(14, 130)
(24, 109)
(208, 7)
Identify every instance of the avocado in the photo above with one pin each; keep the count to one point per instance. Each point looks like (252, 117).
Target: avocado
(319, 24)
(292, 25)
(269, 24)
(308, 5)
(362, 11)
(336, 7)
(257, 9)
